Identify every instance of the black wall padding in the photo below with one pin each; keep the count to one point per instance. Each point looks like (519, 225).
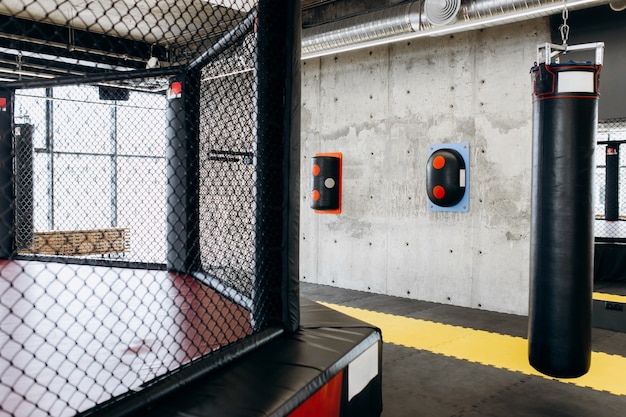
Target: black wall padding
(561, 252)
(609, 261)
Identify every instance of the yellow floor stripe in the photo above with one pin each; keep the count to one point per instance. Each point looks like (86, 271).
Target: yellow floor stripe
(486, 348)
(612, 298)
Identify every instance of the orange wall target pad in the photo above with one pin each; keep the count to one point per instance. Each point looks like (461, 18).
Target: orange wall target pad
(326, 183)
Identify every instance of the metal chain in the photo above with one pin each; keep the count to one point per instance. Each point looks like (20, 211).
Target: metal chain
(564, 28)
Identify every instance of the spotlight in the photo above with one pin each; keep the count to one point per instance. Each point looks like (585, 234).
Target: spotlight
(153, 62)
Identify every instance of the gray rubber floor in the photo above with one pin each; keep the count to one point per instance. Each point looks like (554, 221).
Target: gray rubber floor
(420, 383)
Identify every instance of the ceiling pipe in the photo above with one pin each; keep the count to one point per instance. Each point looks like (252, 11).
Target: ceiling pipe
(407, 21)
(389, 22)
(618, 5)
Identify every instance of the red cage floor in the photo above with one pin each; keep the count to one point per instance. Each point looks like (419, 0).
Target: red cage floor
(74, 336)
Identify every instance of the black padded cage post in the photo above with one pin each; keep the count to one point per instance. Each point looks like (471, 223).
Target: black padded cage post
(182, 173)
(611, 185)
(278, 159)
(23, 172)
(7, 195)
(565, 117)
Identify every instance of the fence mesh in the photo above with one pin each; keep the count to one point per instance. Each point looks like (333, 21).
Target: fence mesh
(98, 169)
(226, 163)
(130, 199)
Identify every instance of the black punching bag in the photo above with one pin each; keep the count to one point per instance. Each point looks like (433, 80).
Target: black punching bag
(565, 117)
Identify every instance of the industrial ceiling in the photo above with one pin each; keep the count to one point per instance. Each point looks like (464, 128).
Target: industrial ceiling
(50, 38)
(54, 38)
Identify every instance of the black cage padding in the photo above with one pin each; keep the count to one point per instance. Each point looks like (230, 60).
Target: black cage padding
(278, 154)
(7, 211)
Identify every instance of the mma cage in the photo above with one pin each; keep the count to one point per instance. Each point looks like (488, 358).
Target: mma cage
(149, 168)
(610, 182)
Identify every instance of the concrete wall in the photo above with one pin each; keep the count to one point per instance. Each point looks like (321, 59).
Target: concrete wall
(381, 108)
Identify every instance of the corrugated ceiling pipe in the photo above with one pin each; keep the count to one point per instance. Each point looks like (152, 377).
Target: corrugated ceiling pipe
(480, 9)
(392, 21)
(399, 22)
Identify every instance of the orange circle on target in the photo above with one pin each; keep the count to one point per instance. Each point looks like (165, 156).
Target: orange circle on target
(315, 195)
(439, 192)
(439, 162)
(316, 170)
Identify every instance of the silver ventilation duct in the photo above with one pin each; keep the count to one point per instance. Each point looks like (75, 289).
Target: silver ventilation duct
(410, 20)
(396, 20)
(618, 5)
(441, 12)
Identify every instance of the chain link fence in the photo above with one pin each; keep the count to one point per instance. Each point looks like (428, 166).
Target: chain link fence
(94, 184)
(610, 191)
(142, 245)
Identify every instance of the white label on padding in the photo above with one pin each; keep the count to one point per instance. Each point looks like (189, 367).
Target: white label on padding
(362, 370)
(461, 178)
(575, 82)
